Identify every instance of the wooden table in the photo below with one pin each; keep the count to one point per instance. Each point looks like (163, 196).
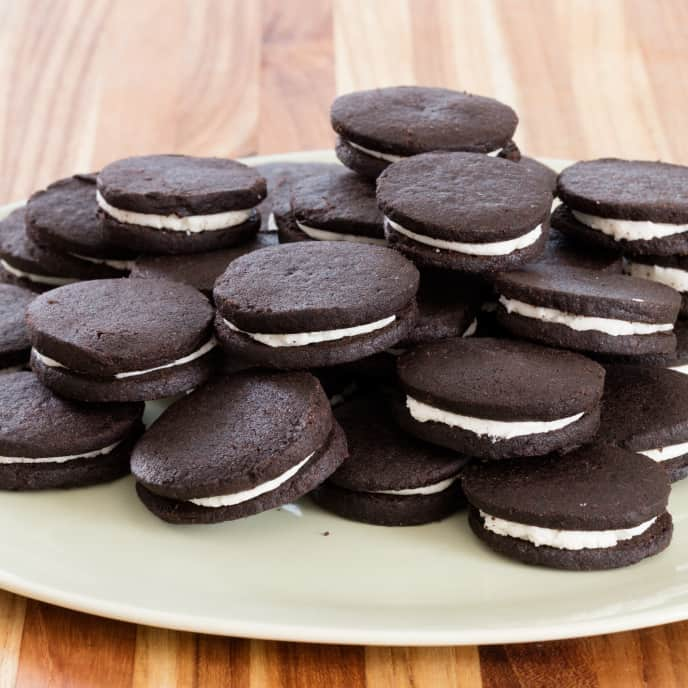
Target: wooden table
(87, 81)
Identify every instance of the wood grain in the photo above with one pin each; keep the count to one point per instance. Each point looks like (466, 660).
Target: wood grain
(86, 81)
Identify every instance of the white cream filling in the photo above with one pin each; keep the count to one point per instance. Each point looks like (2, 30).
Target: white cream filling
(34, 277)
(245, 495)
(59, 459)
(672, 277)
(324, 235)
(494, 429)
(671, 451)
(305, 338)
(493, 248)
(424, 490)
(471, 329)
(582, 323)
(122, 265)
(390, 157)
(191, 224)
(630, 230)
(562, 539)
(681, 369)
(272, 223)
(210, 344)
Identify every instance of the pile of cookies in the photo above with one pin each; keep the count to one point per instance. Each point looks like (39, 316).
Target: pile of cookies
(398, 337)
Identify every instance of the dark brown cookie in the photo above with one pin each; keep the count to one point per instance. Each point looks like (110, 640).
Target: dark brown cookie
(239, 445)
(585, 310)
(14, 341)
(48, 442)
(122, 340)
(312, 304)
(498, 399)
(498, 221)
(595, 508)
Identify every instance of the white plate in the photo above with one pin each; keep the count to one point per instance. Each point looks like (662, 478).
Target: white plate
(305, 575)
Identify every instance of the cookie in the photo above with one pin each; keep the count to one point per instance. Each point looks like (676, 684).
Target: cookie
(335, 206)
(312, 304)
(498, 399)
(178, 204)
(64, 218)
(636, 205)
(279, 177)
(378, 127)
(237, 446)
(645, 410)
(389, 479)
(122, 339)
(49, 442)
(199, 270)
(537, 169)
(498, 221)
(579, 309)
(14, 341)
(669, 270)
(26, 264)
(599, 507)
(563, 250)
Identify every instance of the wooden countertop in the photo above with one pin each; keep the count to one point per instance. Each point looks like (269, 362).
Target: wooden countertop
(87, 81)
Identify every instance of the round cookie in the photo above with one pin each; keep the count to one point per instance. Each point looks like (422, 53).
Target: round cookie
(199, 270)
(14, 341)
(64, 218)
(389, 479)
(279, 177)
(122, 339)
(178, 204)
(562, 250)
(26, 264)
(599, 507)
(338, 205)
(669, 270)
(636, 205)
(579, 309)
(497, 399)
(315, 303)
(499, 221)
(237, 446)
(645, 410)
(49, 442)
(384, 125)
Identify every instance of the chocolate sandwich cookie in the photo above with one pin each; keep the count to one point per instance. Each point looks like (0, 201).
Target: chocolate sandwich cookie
(638, 206)
(315, 303)
(49, 442)
(122, 339)
(599, 507)
(279, 177)
(237, 446)
(562, 250)
(537, 169)
(497, 399)
(579, 309)
(338, 205)
(389, 479)
(385, 125)
(64, 218)
(498, 221)
(14, 341)
(179, 204)
(645, 410)
(669, 270)
(199, 270)
(26, 264)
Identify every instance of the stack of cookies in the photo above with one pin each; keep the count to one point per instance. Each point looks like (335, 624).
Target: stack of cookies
(420, 339)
